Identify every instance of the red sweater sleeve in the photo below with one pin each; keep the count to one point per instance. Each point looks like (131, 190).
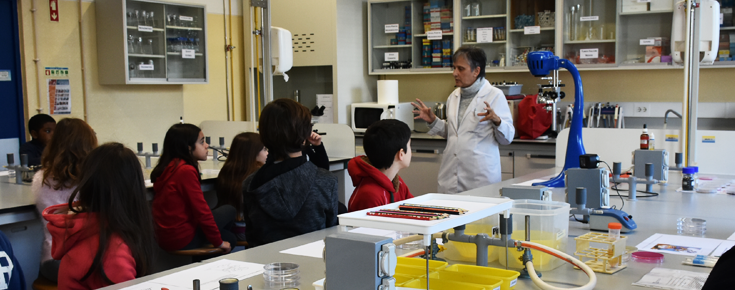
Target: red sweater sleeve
(192, 193)
(119, 264)
(367, 196)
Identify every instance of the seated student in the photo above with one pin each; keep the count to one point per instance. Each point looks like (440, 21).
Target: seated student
(288, 196)
(106, 237)
(41, 127)
(720, 277)
(13, 274)
(183, 220)
(387, 144)
(62, 168)
(316, 152)
(246, 155)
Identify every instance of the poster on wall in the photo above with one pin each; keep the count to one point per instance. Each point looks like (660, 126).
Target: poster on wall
(326, 101)
(59, 96)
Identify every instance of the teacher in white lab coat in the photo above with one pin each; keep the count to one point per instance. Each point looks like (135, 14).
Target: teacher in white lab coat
(478, 121)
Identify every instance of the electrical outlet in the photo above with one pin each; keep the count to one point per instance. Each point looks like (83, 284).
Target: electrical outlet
(642, 110)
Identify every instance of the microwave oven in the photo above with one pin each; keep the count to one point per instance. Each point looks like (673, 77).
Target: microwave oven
(365, 114)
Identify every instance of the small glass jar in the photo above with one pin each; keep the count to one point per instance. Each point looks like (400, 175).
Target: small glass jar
(688, 179)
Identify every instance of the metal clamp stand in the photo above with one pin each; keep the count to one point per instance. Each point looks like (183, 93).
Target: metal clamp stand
(679, 161)
(527, 256)
(147, 155)
(633, 181)
(216, 149)
(19, 169)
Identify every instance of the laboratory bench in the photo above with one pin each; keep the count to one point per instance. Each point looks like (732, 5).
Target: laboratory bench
(519, 158)
(653, 215)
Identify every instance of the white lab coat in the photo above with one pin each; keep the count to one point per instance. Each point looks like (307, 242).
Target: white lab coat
(471, 158)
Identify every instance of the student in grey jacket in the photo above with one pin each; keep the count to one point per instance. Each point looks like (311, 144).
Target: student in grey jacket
(287, 196)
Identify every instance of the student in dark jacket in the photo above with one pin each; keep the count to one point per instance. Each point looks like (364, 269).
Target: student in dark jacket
(288, 196)
(41, 127)
(13, 274)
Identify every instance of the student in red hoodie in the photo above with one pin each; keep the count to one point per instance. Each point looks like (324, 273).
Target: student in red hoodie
(106, 237)
(183, 218)
(387, 144)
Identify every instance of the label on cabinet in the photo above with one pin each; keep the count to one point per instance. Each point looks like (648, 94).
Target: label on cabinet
(187, 53)
(143, 28)
(644, 1)
(186, 18)
(589, 18)
(391, 28)
(391, 56)
(588, 53)
(434, 35)
(648, 41)
(144, 66)
(485, 35)
(531, 30)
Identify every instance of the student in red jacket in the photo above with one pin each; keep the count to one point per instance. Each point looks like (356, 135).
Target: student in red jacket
(105, 237)
(387, 144)
(182, 217)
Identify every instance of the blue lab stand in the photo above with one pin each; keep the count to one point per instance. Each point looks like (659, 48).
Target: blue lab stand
(541, 63)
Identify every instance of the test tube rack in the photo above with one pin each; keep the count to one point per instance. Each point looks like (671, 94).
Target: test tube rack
(607, 259)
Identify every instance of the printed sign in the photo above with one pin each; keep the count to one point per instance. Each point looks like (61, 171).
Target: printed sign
(5, 76)
(588, 53)
(391, 28)
(708, 139)
(59, 96)
(144, 66)
(531, 30)
(434, 35)
(485, 35)
(57, 71)
(186, 18)
(53, 10)
(589, 18)
(187, 53)
(648, 41)
(644, 1)
(143, 28)
(391, 56)
(672, 138)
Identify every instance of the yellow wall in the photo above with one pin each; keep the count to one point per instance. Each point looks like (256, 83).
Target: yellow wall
(125, 113)
(716, 85)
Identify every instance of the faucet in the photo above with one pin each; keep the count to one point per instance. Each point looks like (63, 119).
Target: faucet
(20, 168)
(148, 155)
(633, 181)
(482, 241)
(217, 149)
(666, 116)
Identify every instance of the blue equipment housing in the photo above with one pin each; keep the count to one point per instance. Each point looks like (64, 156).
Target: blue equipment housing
(541, 63)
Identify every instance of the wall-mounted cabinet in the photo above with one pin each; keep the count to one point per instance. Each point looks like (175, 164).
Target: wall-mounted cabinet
(149, 42)
(593, 34)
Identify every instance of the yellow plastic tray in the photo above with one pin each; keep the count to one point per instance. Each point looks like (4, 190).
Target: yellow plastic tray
(403, 278)
(509, 277)
(414, 272)
(437, 284)
(421, 263)
(490, 283)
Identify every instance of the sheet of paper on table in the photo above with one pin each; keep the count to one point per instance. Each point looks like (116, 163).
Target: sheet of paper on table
(663, 278)
(679, 245)
(532, 181)
(208, 274)
(732, 237)
(313, 249)
(723, 247)
(4, 173)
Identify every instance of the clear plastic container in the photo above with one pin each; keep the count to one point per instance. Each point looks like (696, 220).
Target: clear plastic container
(691, 226)
(613, 231)
(485, 281)
(549, 225)
(466, 252)
(281, 275)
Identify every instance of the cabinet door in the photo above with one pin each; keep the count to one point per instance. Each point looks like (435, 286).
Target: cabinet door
(478, 19)
(589, 32)
(186, 44)
(146, 42)
(541, 16)
(530, 162)
(421, 176)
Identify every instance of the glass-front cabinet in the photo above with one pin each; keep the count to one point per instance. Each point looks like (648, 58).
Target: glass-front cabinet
(590, 32)
(149, 42)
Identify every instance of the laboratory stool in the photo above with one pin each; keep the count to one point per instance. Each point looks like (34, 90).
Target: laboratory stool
(42, 283)
(242, 244)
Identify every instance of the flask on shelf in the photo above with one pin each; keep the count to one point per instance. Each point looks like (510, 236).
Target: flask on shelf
(651, 141)
(644, 138)
(476, 8)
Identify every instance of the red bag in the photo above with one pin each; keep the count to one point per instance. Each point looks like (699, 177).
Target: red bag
(533, 119)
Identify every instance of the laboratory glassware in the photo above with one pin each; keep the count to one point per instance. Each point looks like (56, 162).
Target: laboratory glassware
(149, 46)
(468, 8)
(130, 20)
(476, 8)
(131, 44)
(139, 45)
(691, 226)
(137, 17)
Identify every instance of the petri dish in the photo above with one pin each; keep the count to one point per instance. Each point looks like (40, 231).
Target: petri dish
(691, 226)
(647, 257)
(281, 274)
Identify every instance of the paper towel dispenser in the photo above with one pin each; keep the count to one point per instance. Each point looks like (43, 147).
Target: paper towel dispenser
(281, 51)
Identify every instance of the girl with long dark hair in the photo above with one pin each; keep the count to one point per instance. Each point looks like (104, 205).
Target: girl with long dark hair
(182, 217)
(106, 237)
(247, 154)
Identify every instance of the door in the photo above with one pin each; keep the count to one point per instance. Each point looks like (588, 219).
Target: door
(12, 130)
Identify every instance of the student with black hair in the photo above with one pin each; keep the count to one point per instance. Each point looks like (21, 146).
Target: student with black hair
(106, 237)
(288, 196)
(387, 144)
(183, 218)
(41, 127)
